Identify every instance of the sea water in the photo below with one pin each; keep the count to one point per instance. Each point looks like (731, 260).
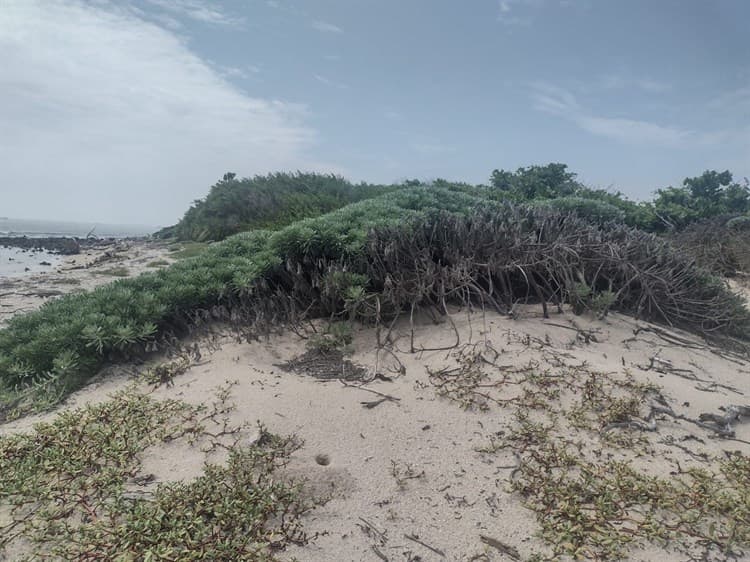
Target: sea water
(59, 229)
(16, 262)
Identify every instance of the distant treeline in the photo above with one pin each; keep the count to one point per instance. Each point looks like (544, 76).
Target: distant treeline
(242, 204)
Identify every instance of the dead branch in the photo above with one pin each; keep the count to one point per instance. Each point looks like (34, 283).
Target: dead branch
(511, 551)
(417, 540)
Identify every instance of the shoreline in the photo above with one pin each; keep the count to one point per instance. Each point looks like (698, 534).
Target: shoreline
(98, 263)
(63, 245)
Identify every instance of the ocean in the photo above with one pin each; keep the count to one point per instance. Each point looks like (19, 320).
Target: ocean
(16, 262)
(56, 229)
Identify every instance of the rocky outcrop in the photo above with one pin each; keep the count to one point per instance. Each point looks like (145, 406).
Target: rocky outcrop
(65, 246)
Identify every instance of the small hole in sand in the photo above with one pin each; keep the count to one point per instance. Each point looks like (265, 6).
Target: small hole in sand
(323, 460)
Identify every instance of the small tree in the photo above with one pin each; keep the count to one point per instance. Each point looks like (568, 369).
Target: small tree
(708, 195)
(536, 182)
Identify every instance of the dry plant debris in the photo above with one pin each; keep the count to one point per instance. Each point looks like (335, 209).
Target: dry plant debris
(573, 434)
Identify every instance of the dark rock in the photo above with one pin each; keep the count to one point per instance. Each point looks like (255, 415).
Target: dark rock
(65, 246)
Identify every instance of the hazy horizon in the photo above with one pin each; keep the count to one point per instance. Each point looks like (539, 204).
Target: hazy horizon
(126, 112)
(53, 227)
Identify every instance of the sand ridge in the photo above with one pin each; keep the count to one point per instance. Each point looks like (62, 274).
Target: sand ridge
(405, 479)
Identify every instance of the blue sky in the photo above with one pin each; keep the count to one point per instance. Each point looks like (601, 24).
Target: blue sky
(127, 111)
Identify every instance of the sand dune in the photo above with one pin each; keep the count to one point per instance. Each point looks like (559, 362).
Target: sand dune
(409, 466)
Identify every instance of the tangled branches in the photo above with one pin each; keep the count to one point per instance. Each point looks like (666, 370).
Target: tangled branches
(522, 255)
(720, 244)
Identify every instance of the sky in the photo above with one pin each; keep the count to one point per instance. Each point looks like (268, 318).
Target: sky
(126, 111)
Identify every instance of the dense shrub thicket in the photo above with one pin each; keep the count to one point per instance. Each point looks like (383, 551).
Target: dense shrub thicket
(720, 244)
(502, 257)
(709, 195)
(412, 247)
(65, 341)
(235, 205)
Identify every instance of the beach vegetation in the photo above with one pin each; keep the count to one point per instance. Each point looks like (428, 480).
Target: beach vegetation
(423, 245)
(76, 489)
(271, 201)
(187, 249)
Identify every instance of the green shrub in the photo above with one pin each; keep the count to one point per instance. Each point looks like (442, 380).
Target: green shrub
(336, 264)
(67, 489)
(59, 346)
(187, 249)
(591, 209)
(235, 205)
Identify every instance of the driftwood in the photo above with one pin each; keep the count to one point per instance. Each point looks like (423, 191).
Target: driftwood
(417, 540)
(664, 366)
(721, 424)
(506, 549)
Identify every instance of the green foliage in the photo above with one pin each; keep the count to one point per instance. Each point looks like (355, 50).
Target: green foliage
(553, 185)
(591, 209)
(326, 261)
(124, 318)
(584, 508)
(235, 205)
(187, 249)
(337, 336)
(708, 195)
(68, 489)
(536, 182)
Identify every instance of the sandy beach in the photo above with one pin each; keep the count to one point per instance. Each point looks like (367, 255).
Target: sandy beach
(414, 461)
(96, 265)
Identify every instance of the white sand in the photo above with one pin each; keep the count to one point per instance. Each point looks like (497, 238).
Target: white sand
(89, 269)
(459, 493)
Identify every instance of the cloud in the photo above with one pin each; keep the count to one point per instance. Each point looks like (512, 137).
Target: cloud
(560, 102)
(197, 10)
(523, 12)
(239, 72)
(108, 117)
(736, 100)
(633, 131)
(623, 81)
(509, 10)
(326, 27)
(329, 82)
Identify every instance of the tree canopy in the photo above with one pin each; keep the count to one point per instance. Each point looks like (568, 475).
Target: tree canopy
(708, 195)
